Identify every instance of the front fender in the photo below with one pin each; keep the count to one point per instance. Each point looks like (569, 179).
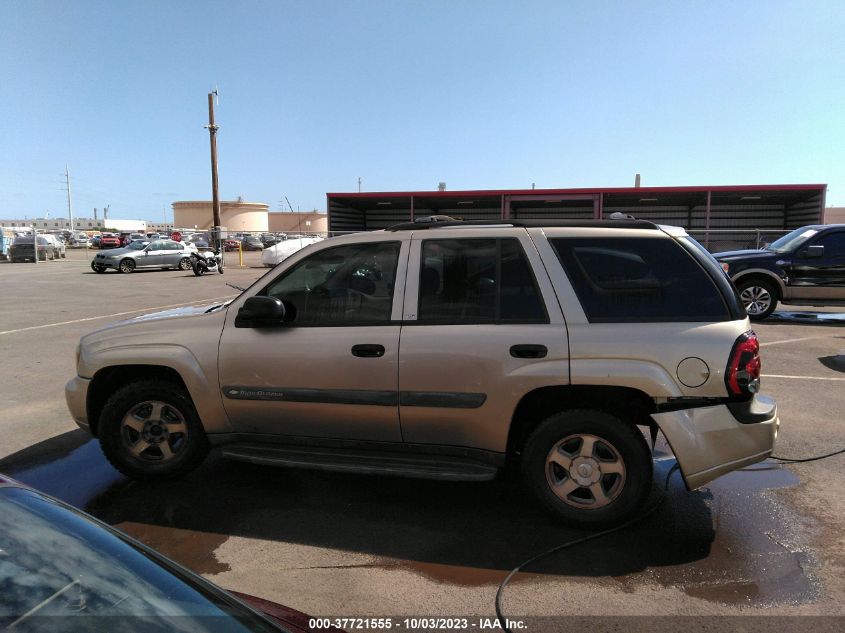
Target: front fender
(199, 375)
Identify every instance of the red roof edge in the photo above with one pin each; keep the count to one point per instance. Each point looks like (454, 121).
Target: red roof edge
(587, 190)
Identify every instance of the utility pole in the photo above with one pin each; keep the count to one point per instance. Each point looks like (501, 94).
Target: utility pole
(69, 203)
(359, 184)
(215, 197)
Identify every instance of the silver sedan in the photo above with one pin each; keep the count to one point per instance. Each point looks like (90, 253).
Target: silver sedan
(140, 254)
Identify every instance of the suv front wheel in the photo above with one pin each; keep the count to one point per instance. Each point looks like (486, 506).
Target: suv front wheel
(150, 430)
(589, 468)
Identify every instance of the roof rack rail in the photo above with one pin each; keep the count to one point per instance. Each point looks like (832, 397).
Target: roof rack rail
(428, 223)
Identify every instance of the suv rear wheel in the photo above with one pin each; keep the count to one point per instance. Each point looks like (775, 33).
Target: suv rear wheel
(759, 296)
(150, 430)
(589, 468)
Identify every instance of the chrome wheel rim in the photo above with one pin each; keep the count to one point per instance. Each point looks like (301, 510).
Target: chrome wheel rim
(127, 267)
(154, 431)
(185, 263)
(756, 299)
(585, 471)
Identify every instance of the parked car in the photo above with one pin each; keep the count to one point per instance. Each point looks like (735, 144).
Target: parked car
(199, 242)
(804, 267)
(268, 239)
(251, 243)
(7, 236)
(164, 254)
(446, 350)
(22, 249)
(109, 240)
(276, 254)
(59, 249)
(231, 245)
(80, 240)
(95, 241)
(66, 570)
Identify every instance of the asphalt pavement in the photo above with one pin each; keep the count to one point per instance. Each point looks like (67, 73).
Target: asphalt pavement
(764, 541)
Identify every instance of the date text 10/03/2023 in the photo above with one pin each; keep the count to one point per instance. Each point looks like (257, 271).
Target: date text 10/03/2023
(414, 624)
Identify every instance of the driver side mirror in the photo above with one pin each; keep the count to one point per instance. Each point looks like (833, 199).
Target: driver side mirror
(261, 311)
(814, 251)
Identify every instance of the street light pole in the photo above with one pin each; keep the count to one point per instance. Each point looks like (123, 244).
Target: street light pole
(215, 197)
(69, 203)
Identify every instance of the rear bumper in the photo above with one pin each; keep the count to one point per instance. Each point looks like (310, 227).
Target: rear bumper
(710, 441)
(76, 395)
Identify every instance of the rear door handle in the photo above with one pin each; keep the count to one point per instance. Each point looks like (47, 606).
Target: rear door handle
(368, 350)
(529, 351)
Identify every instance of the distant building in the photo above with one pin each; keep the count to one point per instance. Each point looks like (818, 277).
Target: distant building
(299, 222)
(834, 215)
(54, 224)
(235, 215)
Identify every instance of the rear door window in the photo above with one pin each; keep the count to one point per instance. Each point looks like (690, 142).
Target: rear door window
(623, 280)
(478, 280)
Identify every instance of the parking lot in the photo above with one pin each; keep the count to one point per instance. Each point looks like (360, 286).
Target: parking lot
(766, 540)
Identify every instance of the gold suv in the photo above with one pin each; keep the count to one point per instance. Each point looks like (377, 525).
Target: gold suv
(443, 350)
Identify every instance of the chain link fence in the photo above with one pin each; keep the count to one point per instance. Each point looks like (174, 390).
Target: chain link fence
(718, 240)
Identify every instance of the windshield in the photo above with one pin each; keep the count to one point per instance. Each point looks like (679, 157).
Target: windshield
(791, 241)
(55, 563)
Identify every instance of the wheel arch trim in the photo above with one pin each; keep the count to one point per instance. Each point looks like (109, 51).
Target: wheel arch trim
(763, 273)
(127, 360)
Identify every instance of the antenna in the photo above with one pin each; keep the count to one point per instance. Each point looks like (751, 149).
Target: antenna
(216, 94)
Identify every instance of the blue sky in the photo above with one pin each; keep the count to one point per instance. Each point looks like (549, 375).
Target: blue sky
(479, 94)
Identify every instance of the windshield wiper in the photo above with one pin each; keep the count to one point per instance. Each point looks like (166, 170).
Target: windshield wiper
(235, 287)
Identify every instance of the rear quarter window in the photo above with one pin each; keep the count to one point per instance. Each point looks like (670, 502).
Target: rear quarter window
(629, 280)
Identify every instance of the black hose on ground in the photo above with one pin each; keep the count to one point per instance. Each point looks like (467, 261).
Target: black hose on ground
(500, 591)
(796, 460)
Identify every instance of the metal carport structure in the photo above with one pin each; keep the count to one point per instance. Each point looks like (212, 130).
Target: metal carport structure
(722, 216)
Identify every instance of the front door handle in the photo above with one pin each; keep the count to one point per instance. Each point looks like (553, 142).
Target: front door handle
(529, 351)
(368, 350)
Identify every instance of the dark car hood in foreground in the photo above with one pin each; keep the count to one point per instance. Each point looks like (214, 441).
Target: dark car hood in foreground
(291, 619)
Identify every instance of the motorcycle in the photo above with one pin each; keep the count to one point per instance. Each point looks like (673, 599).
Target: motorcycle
(206, 263)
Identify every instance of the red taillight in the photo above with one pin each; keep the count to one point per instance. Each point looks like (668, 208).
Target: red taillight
(742, 376)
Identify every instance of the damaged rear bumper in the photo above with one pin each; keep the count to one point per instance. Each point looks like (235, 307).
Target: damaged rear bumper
(711, 441)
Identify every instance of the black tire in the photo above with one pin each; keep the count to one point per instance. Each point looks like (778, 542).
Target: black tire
(189, 448)
(126, 266)
(625, 493)
(98, 269)
(199, 269)
(185, 263)
(753, 292)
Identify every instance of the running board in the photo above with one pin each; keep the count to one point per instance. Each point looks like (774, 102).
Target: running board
(412, 465)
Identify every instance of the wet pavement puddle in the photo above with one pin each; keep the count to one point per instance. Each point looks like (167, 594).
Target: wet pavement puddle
(732, 542)
(832, 318)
